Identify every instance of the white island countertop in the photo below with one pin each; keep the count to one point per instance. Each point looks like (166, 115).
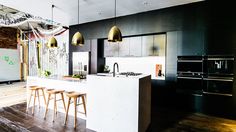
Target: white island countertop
(56, 82)
(118, 104)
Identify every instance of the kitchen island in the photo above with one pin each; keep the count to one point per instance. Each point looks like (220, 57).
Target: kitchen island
(114, 104)
(118, 104)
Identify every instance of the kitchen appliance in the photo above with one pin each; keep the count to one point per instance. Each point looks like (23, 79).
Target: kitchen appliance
(219, 75)
(190, 74)
(130, 73)
(81, 62)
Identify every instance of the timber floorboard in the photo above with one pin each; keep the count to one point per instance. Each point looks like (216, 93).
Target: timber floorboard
(17, 115)
(15, 119)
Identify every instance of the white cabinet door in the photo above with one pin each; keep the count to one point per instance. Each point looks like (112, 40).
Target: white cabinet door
(159, 45)
(124, 47)
(110, 49)
(135, 46)
(147, 45)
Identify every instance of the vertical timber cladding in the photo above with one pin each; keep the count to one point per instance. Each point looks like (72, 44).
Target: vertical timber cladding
(8, 38)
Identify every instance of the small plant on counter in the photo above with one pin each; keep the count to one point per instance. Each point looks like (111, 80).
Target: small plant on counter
(106, 69)
(76, 76)
(46, 73)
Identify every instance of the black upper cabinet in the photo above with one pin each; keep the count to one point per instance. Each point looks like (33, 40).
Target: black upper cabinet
(191, 42)
(85, 48)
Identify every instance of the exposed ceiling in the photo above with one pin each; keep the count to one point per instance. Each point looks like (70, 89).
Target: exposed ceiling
(66, 11)
(93, 10)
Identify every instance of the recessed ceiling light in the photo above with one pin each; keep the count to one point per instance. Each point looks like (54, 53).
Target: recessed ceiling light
(145, 3)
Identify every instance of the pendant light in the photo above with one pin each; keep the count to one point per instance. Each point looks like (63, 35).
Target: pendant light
(114, 34)
(78, 38)
(52, 42)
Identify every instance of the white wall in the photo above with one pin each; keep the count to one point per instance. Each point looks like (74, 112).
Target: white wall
(40, 8)
(146, 65)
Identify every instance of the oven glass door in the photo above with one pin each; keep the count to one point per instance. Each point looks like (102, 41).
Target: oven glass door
(217, 86)
(189, 66)
(220, 66)
(191, 85)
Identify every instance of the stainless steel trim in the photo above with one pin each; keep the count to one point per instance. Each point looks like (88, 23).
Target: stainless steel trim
(189, 72)
(220, 58)
(190, 60)
(197, 95)
(197, 78)
(217, 93)
(218, 79)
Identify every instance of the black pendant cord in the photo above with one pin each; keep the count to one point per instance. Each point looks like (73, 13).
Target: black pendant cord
(78, 12)
(115, 12)
(52, 19)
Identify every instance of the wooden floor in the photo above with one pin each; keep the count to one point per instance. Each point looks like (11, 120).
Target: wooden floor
(12, 94)
(14, 118)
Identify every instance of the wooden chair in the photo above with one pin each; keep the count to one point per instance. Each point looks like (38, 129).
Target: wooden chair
(75, 96)
(54, 92)
(34, 91)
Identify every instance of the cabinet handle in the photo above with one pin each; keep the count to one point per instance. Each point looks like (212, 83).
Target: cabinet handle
(217, 79)
(217, 93)
(189, 60)
(190, 78)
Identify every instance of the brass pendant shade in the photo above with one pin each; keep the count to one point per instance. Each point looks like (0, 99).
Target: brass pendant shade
(52, 42)
(114, 35)
(78, 39)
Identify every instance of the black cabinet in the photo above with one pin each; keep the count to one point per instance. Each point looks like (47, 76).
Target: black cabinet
(191, 42)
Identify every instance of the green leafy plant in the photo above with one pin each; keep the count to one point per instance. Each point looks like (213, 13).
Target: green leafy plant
(106, 69)
(76, 76)
(46, 73)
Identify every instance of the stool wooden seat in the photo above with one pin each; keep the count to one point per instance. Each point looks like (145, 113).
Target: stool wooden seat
(36, 90)
(54, 92)
(75, 96)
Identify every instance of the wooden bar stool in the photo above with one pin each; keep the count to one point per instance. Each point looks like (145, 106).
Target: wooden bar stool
(54, 92)
(75, 96)
(35, 93)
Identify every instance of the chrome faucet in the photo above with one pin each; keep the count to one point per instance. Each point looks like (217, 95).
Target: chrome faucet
(114, 72)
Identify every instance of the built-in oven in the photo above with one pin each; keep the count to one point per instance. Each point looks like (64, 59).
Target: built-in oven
(190, 74)
(190, 64)
(218, 85)
(219, 65)
(219, 76)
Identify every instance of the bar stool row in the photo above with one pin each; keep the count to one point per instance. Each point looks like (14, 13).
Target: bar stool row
(74, 96)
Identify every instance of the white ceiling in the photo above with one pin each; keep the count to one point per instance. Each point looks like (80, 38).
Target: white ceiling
(92, 10)
(66, 11)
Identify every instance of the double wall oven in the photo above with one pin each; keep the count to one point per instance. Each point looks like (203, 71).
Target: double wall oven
(206, 74)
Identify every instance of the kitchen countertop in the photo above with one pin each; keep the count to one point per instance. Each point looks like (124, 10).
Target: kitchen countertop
(61, 78)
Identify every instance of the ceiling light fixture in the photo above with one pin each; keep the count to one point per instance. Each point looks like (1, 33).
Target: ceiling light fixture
(52, 42)
(78, 38)
(114, 34)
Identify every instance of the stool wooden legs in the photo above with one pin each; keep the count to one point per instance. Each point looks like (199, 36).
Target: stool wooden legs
(62, 97)
(44, 96)
(67, 110)
(34, 101)
(75, 119)
(55, 104)
(84, 104)
(75, 107)
(49, 95)
(36, 94)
